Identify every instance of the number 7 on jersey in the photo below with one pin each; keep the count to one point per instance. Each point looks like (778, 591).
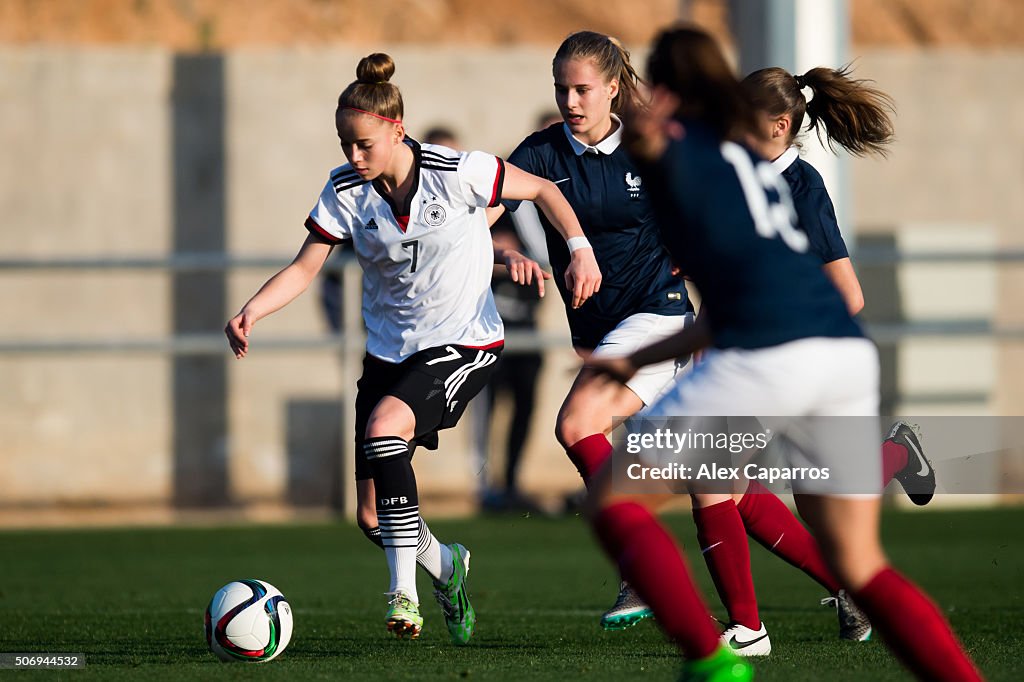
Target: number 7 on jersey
(414, 244)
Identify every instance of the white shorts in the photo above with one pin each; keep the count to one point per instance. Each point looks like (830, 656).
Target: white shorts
(796, 389)
(637, 331)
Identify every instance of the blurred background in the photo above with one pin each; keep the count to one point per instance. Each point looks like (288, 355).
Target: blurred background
(159, 158)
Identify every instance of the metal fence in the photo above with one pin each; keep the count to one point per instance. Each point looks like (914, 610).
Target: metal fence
(213, 343)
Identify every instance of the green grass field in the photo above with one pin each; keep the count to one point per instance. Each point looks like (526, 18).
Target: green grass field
(132, 601)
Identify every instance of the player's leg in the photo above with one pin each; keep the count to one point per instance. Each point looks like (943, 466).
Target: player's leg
(386, 448)
(585, 417)
(649, 558)
(377, 380)
(585, 420)
(770, 522)
(907, 619)
(723, 544)
(438, 387)
(844, 511)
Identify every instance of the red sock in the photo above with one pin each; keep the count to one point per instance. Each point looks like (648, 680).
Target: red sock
(894, 458)
(650, 560)
(723, 542)
(914, 628)
(770, 522)
(588, 454)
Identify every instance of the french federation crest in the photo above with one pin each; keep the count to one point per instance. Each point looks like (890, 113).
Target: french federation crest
(633, 183)
(434, 215)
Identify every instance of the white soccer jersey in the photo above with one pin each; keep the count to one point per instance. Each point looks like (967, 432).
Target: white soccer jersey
(427, 264)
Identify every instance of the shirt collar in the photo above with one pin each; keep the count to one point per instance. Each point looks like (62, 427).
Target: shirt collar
(786, 160)
(605, 146)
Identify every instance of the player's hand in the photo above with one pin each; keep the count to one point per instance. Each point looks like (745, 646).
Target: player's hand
(583, 276)
(620, 369)
(647, 130)
(524, 271)
(237, 331)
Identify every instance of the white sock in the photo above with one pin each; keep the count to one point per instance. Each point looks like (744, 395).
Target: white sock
(398, 530)
(402, 565)
(435, 558)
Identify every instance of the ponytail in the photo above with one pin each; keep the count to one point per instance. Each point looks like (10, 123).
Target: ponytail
(849, 112)
(842, 111)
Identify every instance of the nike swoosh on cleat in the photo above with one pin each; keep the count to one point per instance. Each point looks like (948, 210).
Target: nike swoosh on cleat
(737, 644)
(924, 463)
(707, 549)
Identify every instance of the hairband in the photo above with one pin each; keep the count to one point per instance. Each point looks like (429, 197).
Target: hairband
(370, 113)
(801, 82)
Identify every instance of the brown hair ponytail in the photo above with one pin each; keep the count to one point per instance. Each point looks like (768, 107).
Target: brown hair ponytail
(612, 61)
(842, 111)
(371, 92)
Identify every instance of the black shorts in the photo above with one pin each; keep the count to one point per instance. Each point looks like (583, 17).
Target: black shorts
(437, 383)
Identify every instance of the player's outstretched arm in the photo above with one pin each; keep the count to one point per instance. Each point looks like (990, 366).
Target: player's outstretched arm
(279, 291)
(583, 276)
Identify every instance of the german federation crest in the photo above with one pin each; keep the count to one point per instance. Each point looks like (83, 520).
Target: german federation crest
(434, 215)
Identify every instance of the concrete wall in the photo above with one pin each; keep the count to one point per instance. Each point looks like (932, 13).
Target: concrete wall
(952, 182)
(100, 158)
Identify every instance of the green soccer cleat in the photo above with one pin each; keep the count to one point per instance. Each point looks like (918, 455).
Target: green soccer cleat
(454, 598)
(721, 666)
(628, 610)
(403, 617)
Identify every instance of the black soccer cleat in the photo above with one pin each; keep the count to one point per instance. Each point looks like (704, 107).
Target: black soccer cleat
(918, 476)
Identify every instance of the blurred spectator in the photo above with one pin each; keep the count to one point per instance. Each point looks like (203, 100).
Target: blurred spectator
(444, 136)
(516, 375)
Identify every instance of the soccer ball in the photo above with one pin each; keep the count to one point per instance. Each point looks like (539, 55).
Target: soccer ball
(248, 620)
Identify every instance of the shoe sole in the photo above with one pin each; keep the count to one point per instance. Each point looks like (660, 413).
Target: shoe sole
(400, 628)
(863, 638)
(754, 650)
(623, 622)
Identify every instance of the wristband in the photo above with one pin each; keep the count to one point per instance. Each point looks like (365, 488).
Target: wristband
(577, 243)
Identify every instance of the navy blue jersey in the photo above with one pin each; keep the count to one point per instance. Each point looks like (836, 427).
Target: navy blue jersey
(608, 196)
(727, 219)
(817, 216)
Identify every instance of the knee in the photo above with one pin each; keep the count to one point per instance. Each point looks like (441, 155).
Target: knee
(569, 430)
(379, 426)
(391, 417)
